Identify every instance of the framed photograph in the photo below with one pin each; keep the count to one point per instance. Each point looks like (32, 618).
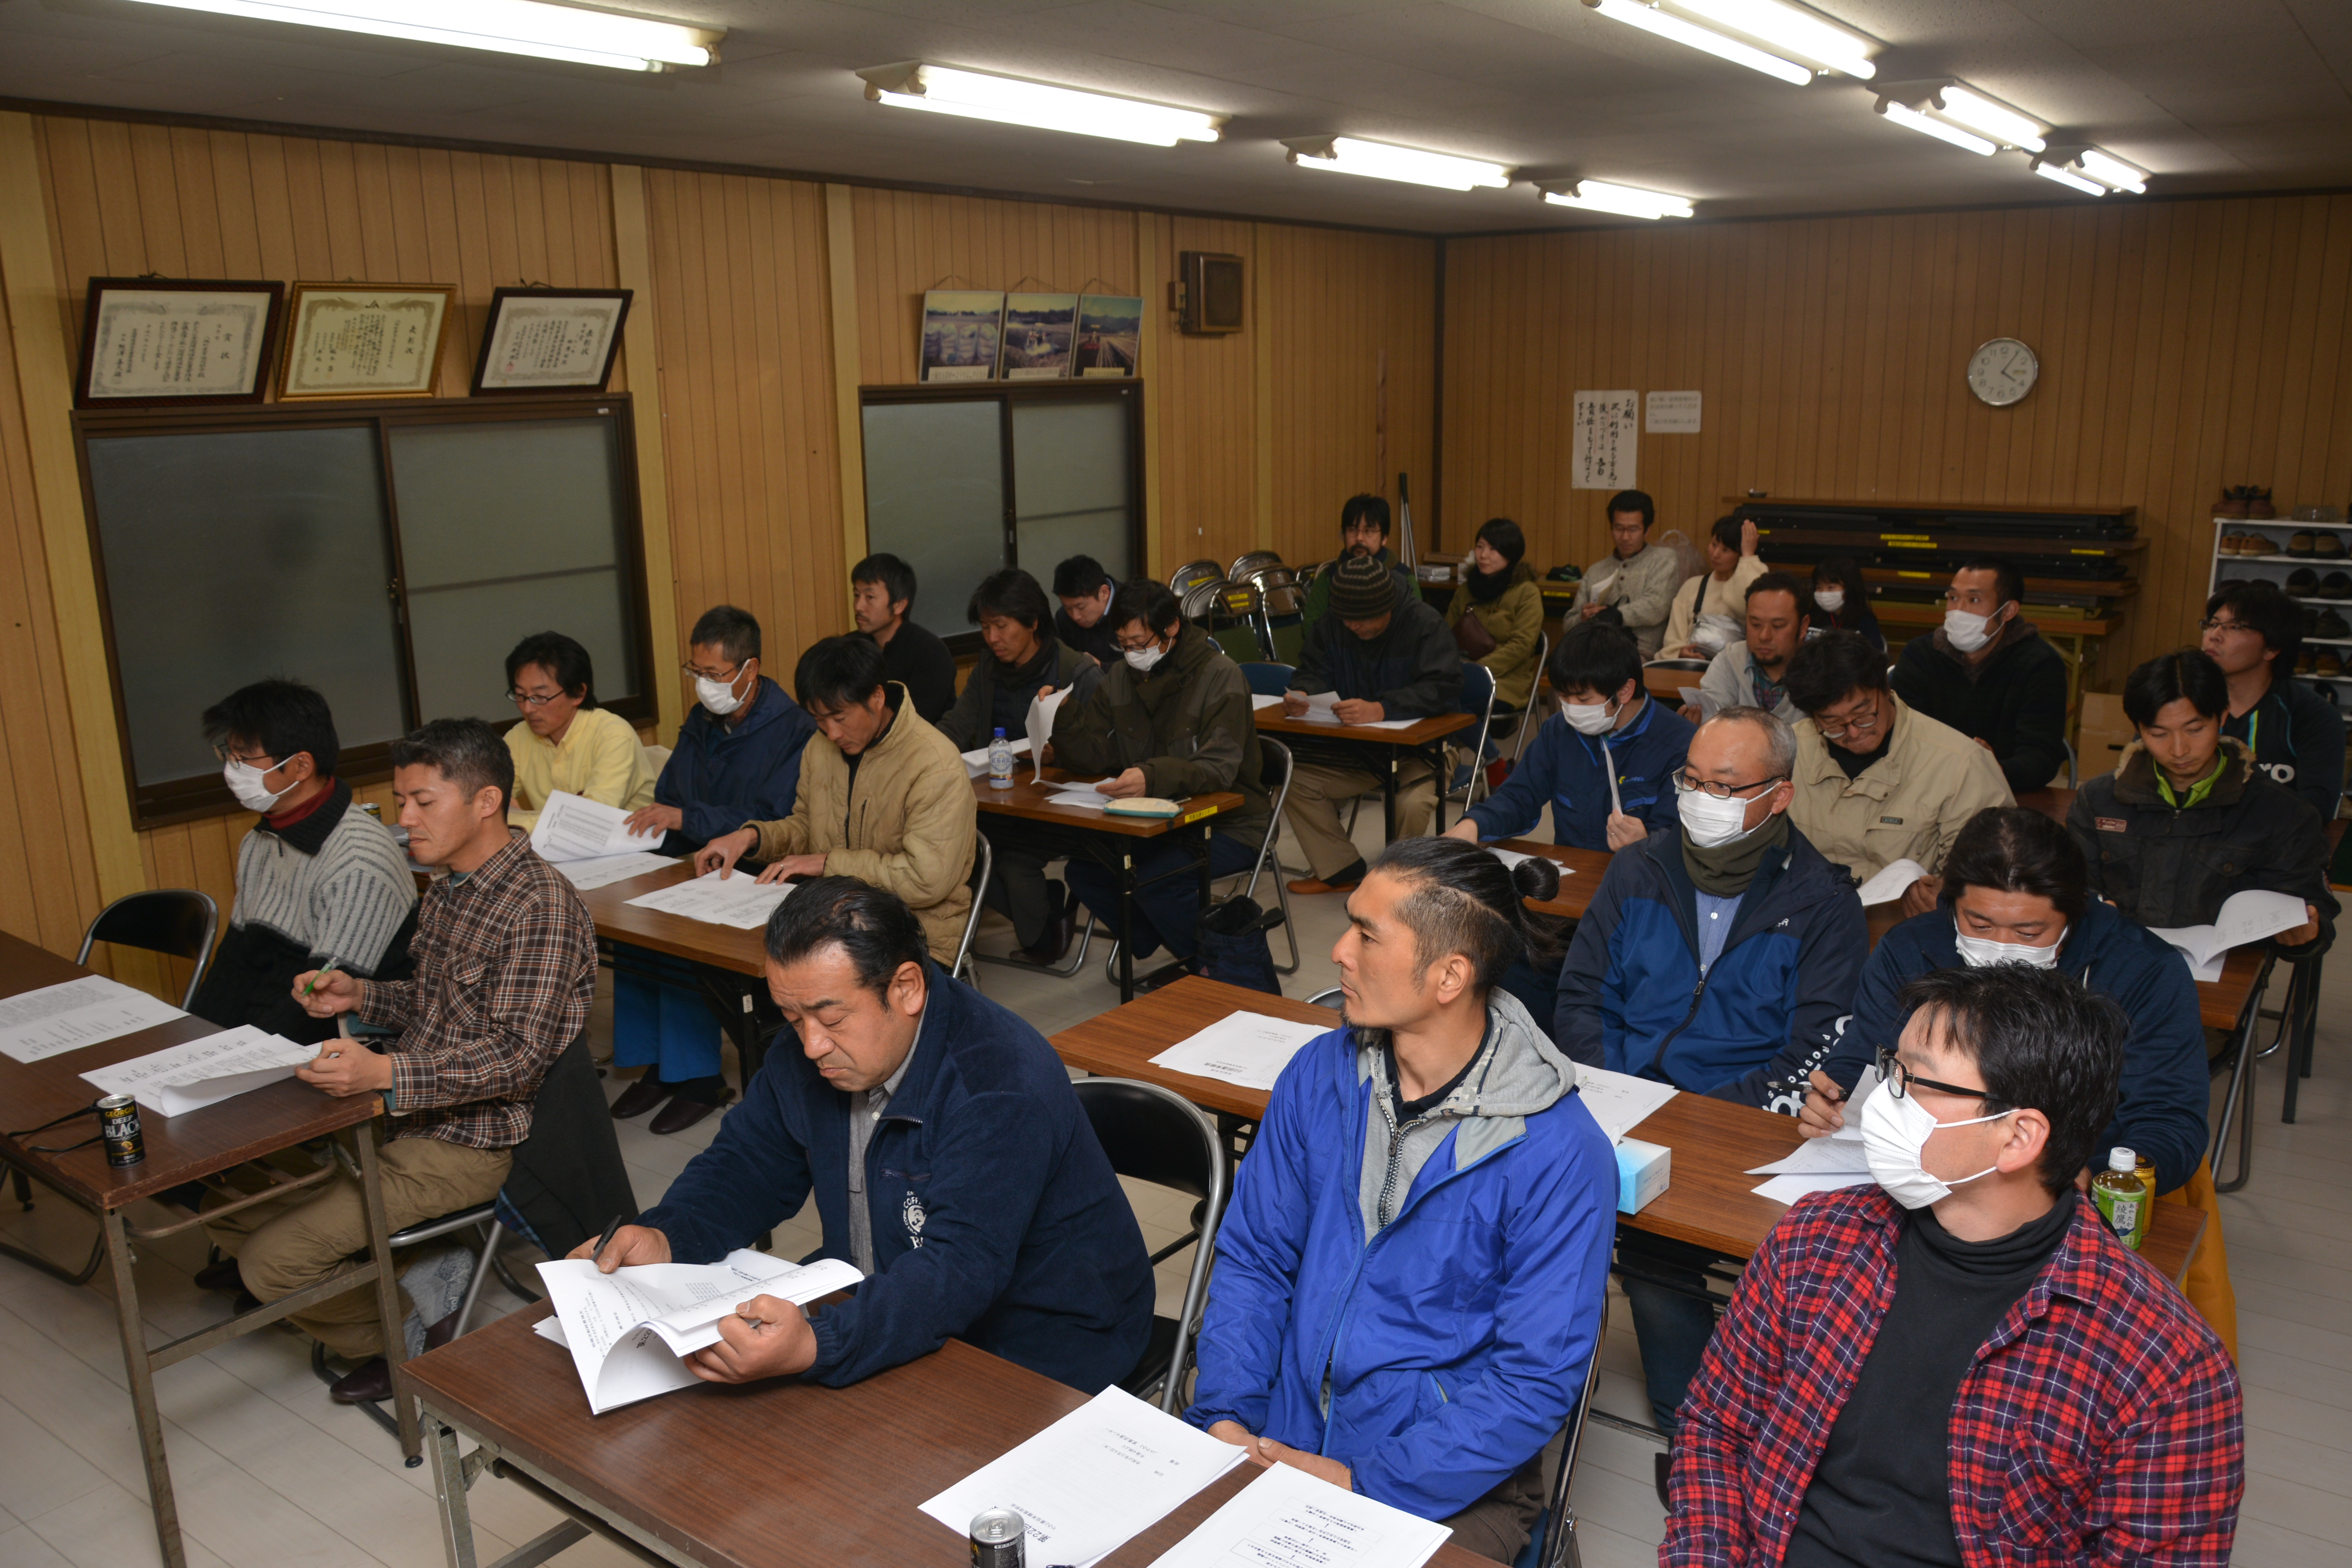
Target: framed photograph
(550, 340)
(1110, 334)
(962, 329)
(1038, 330)
(151, 343)
(346, 340)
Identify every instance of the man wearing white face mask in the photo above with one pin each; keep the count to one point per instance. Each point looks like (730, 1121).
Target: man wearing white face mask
(1961, 1363)
(1990, 674)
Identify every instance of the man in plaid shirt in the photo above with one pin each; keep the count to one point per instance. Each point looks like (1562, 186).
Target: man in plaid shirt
(506, 966)
(1961, 1365)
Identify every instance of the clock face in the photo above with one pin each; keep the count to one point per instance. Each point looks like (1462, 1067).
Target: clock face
(2002, 370)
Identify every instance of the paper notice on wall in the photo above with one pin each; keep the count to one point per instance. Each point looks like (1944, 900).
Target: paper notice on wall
(1607, 427)
(1673, 412)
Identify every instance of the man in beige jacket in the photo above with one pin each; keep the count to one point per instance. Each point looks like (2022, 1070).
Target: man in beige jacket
(1637, 577)
(1876, 782)
(884, 797)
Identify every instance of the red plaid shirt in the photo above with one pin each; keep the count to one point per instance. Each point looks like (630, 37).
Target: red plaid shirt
(2099, 1425)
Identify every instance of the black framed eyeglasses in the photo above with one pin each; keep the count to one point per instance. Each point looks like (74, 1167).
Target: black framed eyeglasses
(1686, 784)
(1900, 1080)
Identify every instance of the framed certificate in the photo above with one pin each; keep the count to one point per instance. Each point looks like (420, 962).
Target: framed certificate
(550, 340)
(345, 340)
(155, 341)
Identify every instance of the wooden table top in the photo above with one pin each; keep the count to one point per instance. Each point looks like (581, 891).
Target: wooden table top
(1581, 871)
(780, 1472)
(179, 1148)
(1421, 733)
(1707, 1200)
(699, 941)
(1034, 802)
(1665, 683)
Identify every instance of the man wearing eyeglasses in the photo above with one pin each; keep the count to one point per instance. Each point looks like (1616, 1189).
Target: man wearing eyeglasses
(1961, 1363)
(1720, 956)
(1877, 783)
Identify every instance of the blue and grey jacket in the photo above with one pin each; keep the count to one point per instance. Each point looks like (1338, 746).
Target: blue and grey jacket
(720, 779)
(1571, 771)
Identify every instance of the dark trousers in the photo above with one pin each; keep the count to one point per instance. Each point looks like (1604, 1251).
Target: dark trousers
(1166, 911)
(1671, 1323)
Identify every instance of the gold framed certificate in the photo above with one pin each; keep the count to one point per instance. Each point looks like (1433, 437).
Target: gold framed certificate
(149, 342)
(550, 340)
(363, 340)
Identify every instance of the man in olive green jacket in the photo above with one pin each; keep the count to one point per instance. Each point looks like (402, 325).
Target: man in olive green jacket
(884, 797)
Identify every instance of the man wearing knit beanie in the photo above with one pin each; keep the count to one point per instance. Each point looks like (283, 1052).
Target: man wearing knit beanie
(1385, 655)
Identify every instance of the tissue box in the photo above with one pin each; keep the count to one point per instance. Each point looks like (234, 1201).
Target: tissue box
(1642, 1173)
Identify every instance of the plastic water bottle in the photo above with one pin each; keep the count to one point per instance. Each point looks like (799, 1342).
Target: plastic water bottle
(1000, 762)
(2120, 1197)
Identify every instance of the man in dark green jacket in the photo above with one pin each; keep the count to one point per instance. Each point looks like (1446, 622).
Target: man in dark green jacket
(1172, 718)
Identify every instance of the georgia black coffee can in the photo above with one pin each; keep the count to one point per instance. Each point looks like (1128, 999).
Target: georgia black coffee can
(118, 1121)
(996, 1537)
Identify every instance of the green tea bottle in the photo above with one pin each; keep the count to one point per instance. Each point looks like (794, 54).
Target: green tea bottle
(2121, 1199)
(2147, 1210)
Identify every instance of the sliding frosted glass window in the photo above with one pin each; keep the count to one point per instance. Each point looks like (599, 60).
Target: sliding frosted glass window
(935, 499)
(1070, 479)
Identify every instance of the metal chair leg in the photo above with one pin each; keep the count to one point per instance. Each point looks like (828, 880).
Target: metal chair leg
(2234, 1103)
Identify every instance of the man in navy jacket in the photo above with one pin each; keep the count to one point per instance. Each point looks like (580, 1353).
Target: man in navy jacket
(949, 1159)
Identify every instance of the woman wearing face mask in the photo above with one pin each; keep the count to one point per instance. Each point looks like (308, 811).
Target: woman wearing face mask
(2015, 891)
(1843, 601)
(565, 742)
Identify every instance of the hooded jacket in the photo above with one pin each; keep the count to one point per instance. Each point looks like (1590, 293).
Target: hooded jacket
(990, 702)
(2163, 1111)
(1754, 1026)
(2015, 701)
(1419, 1303)
(718, 776)
(1515, 619)
(2168, 866)
(1571, 771)
(996, 1218)
(1188, 724)
(2296, 737)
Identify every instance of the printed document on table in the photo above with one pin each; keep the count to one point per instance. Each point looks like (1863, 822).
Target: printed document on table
(717, 899)
(1260, 701)
(1618, 1100)
(2245, 916)
(1079, 793)
(1289, 1518)
(1889, 884)
(1245, 1048)
(36, 1025)
(627, 1330)
(573, 827)
(1319, 706)
(1041, 729)
(1788, 1189)
(1087, 1485)
(606, 869)
(976, 763)
(197, 1073)
(1511, 858)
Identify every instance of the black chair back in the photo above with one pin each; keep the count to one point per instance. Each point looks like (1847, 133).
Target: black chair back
(569, 1179)
(1150, 1134)
(179, 923)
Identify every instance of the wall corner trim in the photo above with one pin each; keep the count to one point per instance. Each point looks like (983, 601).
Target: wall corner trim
(640, 344)
(848, 431)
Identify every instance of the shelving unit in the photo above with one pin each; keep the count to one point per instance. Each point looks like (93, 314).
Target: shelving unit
(2277, 568)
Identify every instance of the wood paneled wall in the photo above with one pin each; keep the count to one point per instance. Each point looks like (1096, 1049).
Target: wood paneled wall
(2184, 346)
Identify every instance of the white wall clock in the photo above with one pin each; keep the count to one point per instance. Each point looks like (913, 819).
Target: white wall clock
(2002, 370)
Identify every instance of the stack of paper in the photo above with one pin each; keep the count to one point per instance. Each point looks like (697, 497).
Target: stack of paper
(1320, 706)
(1620, 1101)
(1824, 1164)
(74, 1014)
(1245, 1048)
(198, 1073)
(1093, 1481)
(2245, 916)
(1289, 1518)
(573, 827)
(1890, 882)
(1079, 793)
(606, 869)
(627, 1330)
(720, 899)
(976, 763)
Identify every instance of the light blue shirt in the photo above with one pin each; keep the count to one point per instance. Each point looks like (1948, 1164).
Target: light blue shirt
(1715, 917)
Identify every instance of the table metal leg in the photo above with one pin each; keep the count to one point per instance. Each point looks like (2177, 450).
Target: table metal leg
(2235, 1106)
(2298, 1026)
(142, 1373)
(1126, 924)
(449, 1491)
(387, 1284)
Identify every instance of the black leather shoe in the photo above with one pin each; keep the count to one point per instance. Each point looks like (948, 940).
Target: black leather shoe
(683, 1111)
(1666, 1463)
(221, 1275)
(365, 1385)
(639, 1097)
(1060, 932)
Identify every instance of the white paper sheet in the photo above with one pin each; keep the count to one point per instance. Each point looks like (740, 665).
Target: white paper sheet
(1093, 1481)
(1041, 729)
(1319, 706)
(1086, 796)
(606, 869)
(737, 900)
(70, 1015)
(2245, 916)
(1819, 1157)
(1511, 858)
(573, 827)
(976, 763)
(1246, 1049)
(1389, 724)
(1260, 701)
(1609, 766)
(627, 1330)
(197, 1073)
(1890, 882)
(1620, 1101)
(1289, 1518)
(1790, 1188)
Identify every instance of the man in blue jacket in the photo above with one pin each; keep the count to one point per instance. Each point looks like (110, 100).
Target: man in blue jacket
(949, 1159)
(1411, 1278)
(1607, 726)
(738, 760)
(1720, 957)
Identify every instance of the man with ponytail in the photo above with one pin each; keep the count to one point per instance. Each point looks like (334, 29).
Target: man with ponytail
(1410, 1280)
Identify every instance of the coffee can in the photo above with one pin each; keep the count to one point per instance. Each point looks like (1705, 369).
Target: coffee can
(996, 1537)
(118, 1121)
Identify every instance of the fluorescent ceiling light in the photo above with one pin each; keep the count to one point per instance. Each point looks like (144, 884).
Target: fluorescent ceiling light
(1666, 25)
(1998, 121)
(1902, 115)
(982, 95)
(1798, 31)
(2053, 172)
(2112, 170)
(510, 26)
(1381, 161)
(1630, 201)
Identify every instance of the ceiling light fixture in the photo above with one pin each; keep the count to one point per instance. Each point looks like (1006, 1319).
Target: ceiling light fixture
(2112, 170)
(2050, 170)
(983, 95)
(1998, 121)
(1797, 30)
(510, 26)
(1902, 114)
(1381, 160)
(1665, 24)
(1628, 201)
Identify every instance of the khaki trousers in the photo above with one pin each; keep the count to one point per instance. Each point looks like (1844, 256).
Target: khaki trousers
(1318, 790)
(281, 1248)
(1498, 1525)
